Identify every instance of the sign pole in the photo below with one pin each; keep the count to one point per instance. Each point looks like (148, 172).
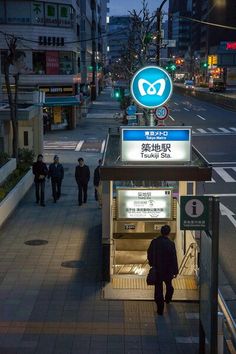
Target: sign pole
(215, 256)
(151, 118)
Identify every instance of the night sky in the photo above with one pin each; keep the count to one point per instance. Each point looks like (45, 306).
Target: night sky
(121, 7)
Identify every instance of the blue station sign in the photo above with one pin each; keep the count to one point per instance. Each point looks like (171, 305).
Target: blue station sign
(151, 87)
(143, 144)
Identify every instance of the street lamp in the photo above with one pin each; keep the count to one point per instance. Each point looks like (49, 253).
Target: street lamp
(158, 42)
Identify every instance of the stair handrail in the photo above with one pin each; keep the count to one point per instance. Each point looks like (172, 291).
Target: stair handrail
(187, 256)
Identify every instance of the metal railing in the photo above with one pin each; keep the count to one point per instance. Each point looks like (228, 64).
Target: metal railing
(188, 255)
(229, 323)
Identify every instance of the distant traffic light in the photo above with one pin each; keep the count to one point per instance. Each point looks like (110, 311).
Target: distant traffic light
(117, 93)
(204, 64)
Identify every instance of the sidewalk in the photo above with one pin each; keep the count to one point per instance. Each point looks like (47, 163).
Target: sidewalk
(50, 295)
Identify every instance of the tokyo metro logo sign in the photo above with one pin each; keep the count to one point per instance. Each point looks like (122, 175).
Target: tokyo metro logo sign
(151, 87)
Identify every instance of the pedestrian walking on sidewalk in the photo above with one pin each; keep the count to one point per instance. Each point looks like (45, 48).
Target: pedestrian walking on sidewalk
(162, 256)
(82, 176)
(56, 173)
(40, 172)
(98, 183)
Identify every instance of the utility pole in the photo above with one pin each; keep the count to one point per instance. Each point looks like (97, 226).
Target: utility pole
(158, 42)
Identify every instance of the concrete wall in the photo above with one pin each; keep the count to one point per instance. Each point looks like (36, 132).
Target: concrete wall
(7, 169)
(8, 205)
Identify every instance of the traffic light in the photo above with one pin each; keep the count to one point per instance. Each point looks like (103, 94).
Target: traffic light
(117, 94)
(204, 65)
(171, 66)
(148, 38)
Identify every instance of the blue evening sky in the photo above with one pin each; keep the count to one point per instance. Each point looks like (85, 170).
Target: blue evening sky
(121, 7)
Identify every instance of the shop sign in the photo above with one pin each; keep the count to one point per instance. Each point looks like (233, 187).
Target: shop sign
(145, 203)
(231, 45)
(65, 16)
(57, 89)
(52, 63)
(147, 145)
(51, 14)
(37, 12)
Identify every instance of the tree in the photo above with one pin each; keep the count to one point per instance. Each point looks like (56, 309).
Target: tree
(12, 59)
(137, 53)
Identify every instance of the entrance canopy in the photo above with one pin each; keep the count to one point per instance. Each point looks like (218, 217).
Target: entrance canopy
(113, 169)
(61, 101)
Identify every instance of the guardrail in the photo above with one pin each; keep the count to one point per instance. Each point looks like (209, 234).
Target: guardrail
(229, 324)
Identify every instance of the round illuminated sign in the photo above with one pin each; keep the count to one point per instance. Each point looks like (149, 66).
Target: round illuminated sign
(151, 87)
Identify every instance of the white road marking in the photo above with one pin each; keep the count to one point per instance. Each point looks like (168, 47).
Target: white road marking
(232, 128)
(198, 115)
(186, 109)
(212, 130)
(79, 145)
(227, 212)
(220, 195)
(176, 103)
(202, 130)
(171, 118)
(103, 146)
(224, 130)
(224, 175)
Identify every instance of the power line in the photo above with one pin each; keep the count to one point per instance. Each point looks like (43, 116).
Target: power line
(104, 34)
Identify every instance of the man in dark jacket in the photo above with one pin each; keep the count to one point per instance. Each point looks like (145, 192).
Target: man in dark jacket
(40, 172)
(56, 173)
(82, 176)
(162, 256)
(97, 182)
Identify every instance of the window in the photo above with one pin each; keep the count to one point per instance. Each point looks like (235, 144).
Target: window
(2, 12)
(21, 16)
(39, 63)
(65, 63)
(26, 138)
(3, 57)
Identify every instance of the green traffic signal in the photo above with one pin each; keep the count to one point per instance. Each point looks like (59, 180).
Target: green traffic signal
(173, 67)
(117, 94)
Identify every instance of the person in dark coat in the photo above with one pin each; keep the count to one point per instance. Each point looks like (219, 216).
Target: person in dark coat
(97, 182)
(56, 173)
(40, 172)
(82, 176)
(162, 255)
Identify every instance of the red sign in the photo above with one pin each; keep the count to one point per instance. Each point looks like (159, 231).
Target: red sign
(52, 63)
(231, 45)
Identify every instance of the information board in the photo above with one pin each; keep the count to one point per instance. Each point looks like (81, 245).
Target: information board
(144, 203)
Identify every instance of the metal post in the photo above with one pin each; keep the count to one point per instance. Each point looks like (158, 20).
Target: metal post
(151, 118)
(158, 42)
(220, 333)
(158, 13)
(214, 275)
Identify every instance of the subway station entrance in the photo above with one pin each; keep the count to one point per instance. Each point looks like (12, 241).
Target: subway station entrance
(138, 199)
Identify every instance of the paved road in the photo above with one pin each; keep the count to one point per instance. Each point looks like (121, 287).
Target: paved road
(214, 135)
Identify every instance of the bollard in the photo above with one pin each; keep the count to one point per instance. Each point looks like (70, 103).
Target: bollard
(220, 333)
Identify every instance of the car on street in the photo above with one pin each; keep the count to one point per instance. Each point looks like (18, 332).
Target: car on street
(189, 85)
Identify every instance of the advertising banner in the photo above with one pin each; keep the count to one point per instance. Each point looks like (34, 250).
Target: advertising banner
(52, 63)
(146, 144)
(143, 203)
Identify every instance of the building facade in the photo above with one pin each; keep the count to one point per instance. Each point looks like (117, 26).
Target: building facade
(119, 33)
